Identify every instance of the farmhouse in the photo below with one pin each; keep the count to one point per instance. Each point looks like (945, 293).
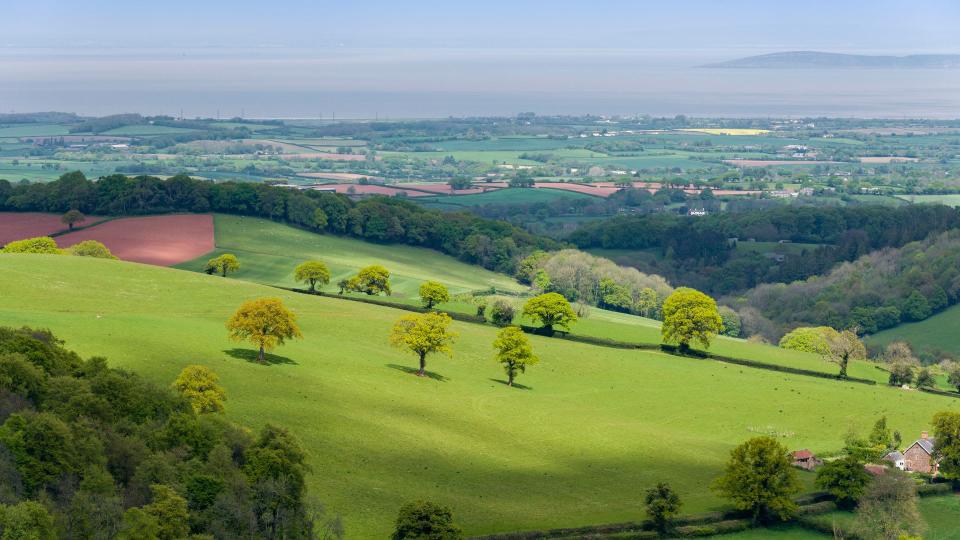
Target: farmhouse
(918, 457)
(805, 460)
(895, 457)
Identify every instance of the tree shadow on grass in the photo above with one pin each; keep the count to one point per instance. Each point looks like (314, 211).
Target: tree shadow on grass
(250, 355)
(413, 371)
(515, 384)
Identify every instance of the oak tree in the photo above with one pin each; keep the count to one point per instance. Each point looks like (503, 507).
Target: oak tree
(223, 264)
(422, 334)
(688, 315)
(760, 478)
(72, 217)
(550, 310)
(514, 352)
(371, 280)
(265, 322)
(312, 272)
(433, 293)
(200, 385)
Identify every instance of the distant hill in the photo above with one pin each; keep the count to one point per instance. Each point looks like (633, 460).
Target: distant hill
(823, 60)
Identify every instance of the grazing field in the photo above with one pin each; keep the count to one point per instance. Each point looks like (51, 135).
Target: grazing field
(147, 129)
(938, 332)
(160, 240)
(33, 130)
(949, 200)
(773, 162)
(575, 445)
(940, 513)
(20, 225)
(269, 252)
(506, 196)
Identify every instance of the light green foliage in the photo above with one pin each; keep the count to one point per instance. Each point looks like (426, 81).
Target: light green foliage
(423, 334)
(200, 385)
(888, 508)
(28, 520)
(170, 511)
(139, 525)
(371, 280)
(662, 505)
(43, 245)
(731, 321)
(809, 339)
(690, 315)
(91, 248)
(424, 520)
(845, 479)
(514, 352)
(223, 264)
(265, 322)
(946, 430)
(925, 379)
(647, 302)
(312, 272)
(528, 267)
(953, 377)
(550, 310)
(760, 478)
(320, 219)
(433, 293)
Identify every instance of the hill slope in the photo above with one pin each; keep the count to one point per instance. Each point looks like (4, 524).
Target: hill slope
(269, 251)
(592, 428)
(938, 333)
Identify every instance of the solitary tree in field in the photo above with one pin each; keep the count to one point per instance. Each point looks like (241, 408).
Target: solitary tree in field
(422, 334)
(845, 479)
(371, 280)
(759, 477)
(91, 248)
(312, 272)
(550, 310)
(223, 264)
(423, 520)
(809, 339)
(514, 352)
(688, 315)
(843, 347)
(925, 379)
(43, 245)
(433, 293)
(200, 385)
(265, 322)
(72, 217)
(663, 504)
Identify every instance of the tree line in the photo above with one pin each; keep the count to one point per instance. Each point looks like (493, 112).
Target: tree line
(492, 244)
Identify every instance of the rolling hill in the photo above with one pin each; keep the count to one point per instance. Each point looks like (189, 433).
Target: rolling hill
(590, 429)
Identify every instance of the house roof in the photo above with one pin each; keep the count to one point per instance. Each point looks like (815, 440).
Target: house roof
(802, 454)
(925, 444)
(894, 456)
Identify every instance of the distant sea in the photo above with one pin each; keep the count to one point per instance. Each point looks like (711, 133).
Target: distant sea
(270, 82)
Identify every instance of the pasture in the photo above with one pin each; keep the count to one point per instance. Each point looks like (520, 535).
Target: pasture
(590, 428)
(937, 333)
(269, 252)
(949, 200)
(506, 196)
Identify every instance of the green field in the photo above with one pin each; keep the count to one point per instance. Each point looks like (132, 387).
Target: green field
(937, 332)
(146, 129)
(33, 130)
(505, 196)
(588, 431)
(940, 513)
(949, 200)
(269, 252)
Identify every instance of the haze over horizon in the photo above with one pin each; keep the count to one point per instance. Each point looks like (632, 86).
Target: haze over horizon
(428, 58)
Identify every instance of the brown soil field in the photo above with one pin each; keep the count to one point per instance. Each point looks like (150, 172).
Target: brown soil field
(20, 225)
(343, 177)
(159, 240)
(370, 189)
(324, 155)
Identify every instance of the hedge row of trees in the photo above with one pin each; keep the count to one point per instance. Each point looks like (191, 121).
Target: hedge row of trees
(87, 451)
(491, 244)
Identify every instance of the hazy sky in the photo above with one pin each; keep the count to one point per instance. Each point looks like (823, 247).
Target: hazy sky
(907, 26)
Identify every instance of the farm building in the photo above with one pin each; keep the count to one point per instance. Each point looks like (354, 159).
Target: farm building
(895, 457)
(805, 460)
(918, 457)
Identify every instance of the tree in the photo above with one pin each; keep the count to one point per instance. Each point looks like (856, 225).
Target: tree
(423, 520)
(41, 245)
(343, 285)
(647, 302)
(809, 339)
(422, 334)
(888, 508)
(514, 352)
(200, 385)
(91, 248)
(312, 272)
(663, 504)
(72, 217)
(433, 293)
(843, 347)
(139, 525)
(371, 280)
(689, 314)
(501, 312)
(953, 377)
(925, 379)
(460, 182)
(28, 520)
(759, 477)
(550, 310)
(845, 479)
(320, 219)
(265, 322)
(223, 264)
(731, 321)
(946, 430)
(170, 511)
(916, 307)
(901, 373)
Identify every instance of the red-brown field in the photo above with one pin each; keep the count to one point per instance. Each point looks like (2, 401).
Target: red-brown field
(370, 189)
(17, 225)
(159, 240)
(773, 162)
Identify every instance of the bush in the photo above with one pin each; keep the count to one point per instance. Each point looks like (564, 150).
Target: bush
(501, 312)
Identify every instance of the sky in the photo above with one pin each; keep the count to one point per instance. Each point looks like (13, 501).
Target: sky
(887, 25)
(429, 58)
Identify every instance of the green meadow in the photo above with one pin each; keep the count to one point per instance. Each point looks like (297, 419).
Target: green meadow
(576, 444)
(270, 251)
(505, 196)
(937, 332)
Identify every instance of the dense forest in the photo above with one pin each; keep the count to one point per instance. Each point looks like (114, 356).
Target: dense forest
(877, 291)
(492, 244)
(87, 451)
(703, 252)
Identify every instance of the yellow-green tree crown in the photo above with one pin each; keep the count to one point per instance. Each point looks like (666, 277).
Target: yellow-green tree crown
(689, 315)
(91, 248)
(433, 293)
(312, 272)
(43, 245)
(550, 309)
(200, 385)
(423, 333)
(265, 322)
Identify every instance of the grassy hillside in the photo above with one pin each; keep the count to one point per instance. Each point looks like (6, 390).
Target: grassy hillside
(589, 430)
(269, 252)
(937, 332)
